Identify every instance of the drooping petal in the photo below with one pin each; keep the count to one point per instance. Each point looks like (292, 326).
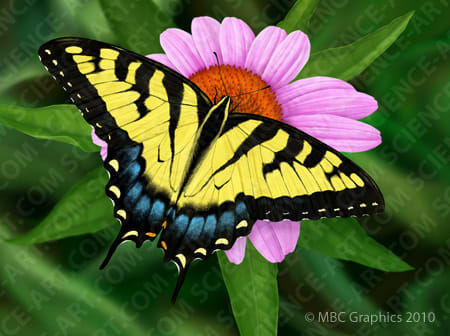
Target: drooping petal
(274, 239)
(180, 49)
(287, 60)
(104, 152)
(341, 102)
(99, 142)
(307, 85)
(235, 38)
(343, 134)
(263, 48)
(163, 59)
(205, 32)
(237, 252)
(287, 233)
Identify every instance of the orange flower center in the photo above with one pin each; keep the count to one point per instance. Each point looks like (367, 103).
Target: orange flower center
(239, 82)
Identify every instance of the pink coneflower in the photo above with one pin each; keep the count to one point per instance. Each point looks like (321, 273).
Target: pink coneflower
(325, 108)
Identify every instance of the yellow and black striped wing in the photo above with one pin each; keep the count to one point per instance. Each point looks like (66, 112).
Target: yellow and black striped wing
(147, 114)
(281, 173)
(263, 169)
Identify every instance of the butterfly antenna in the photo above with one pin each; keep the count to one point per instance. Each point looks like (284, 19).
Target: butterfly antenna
(246, 93)
(215, 97)
(220, 73)
(235, 107)
(180, 281)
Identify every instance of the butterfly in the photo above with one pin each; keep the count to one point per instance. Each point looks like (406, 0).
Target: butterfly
(190, 170)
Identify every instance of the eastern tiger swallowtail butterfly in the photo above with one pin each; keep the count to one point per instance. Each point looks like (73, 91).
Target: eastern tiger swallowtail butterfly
(189, 170)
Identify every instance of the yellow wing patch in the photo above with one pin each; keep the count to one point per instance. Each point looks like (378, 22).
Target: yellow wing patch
(214, 181)
(166, 157)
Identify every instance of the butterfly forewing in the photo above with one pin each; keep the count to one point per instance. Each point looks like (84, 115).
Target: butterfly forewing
(146, 113)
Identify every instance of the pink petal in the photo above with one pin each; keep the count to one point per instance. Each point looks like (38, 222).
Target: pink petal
(99, 142)
(263, 48)
(287, 60)
(235, 38)
(163, 59)
(181, 51)
(287, 233)
(308, 85)
(104, 152)
(343, 134)
(237, 252)
(342, 102)
(275, 240)
(205, 32)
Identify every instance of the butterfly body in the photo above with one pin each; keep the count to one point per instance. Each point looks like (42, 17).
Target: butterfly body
(191, 171)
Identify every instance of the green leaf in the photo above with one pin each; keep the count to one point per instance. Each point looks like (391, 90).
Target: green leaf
(339, 284)
(298, 16)
(349, 61)
(10, 79)
(344, 238)
(84, 209)
(435, 297)
(137, 24)
(63, 302)
(63, 123)
(253, 290)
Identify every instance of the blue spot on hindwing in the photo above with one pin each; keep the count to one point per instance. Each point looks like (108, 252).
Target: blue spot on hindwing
(157, 212)
(171, 213)
(133, 195)
(226, 219)
(128, 154)
(142, 208)
(226, 224)
(180, 225)
(195, 228)
(210, 225)
(241, 212)
(130, 174)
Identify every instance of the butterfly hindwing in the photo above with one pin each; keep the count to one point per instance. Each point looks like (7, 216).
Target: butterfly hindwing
(146, 113)
(259, 168)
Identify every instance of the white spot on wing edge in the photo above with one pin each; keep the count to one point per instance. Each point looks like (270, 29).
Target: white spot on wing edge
(130, 233)
(242, 223)
(114, 164)
(200, 250)
(122, 213)
(221, 241)
(182, 259)
(115, 190)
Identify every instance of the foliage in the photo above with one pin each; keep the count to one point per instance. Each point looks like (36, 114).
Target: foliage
(258, 292)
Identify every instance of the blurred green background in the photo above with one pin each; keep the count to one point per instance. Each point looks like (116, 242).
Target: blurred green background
(56, 288)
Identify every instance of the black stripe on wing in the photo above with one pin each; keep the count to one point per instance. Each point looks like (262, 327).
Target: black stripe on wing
(64, 69)
(359, 201)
